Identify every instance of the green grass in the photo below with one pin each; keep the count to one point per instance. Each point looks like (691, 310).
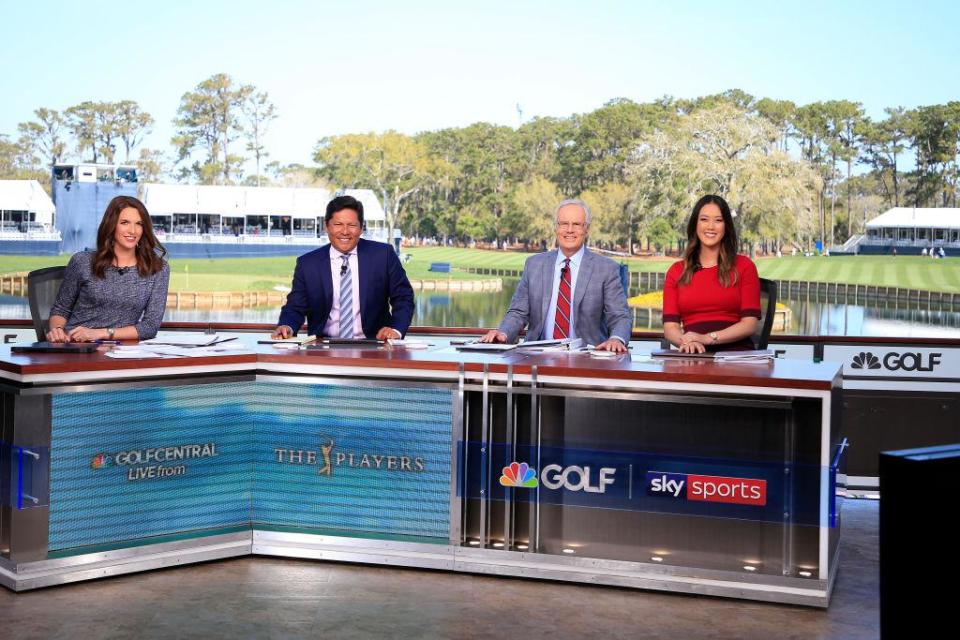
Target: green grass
(259, 274)
(17, 264)
(480, 258)
(907, 272)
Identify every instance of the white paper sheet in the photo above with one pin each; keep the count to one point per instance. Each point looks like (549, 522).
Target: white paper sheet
(184, 339)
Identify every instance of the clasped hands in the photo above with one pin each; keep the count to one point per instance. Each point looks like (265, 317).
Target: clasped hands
(77, 334)
(612, 344)
(692, 342)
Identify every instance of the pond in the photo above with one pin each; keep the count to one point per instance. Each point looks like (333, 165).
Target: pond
(808, 317)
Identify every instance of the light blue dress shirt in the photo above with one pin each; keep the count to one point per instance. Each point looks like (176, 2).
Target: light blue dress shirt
(575, 261)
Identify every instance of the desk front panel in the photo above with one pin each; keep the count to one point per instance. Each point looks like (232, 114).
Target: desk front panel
(139, 466)
(716, 483)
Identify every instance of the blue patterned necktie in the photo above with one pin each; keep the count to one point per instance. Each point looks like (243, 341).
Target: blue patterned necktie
(346, 298)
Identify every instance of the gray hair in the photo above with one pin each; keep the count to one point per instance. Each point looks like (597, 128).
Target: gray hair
(573, 201)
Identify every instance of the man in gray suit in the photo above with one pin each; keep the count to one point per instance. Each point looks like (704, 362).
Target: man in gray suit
(569, 293)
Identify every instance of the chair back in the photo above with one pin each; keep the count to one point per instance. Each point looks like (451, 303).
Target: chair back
(43, 285)
(768, 309)
(625, 278)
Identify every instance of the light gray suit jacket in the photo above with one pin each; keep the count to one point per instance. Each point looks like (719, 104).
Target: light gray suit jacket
(599, 302)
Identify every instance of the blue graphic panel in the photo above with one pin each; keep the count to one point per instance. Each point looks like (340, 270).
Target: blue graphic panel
(638, 481)
(127, 465)
(131, 465)
(356, 459)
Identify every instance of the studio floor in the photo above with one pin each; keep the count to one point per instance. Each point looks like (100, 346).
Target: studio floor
(276, 598)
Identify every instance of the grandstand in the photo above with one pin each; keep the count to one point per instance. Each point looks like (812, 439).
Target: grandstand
(911, 231)
(206, 221)
(27, 220)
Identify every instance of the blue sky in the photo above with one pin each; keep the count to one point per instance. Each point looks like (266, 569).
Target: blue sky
(367, 65)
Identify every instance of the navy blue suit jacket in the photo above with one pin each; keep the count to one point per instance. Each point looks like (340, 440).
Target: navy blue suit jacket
(382, 281)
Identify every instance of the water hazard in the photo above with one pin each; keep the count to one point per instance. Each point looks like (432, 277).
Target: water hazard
(810, 316)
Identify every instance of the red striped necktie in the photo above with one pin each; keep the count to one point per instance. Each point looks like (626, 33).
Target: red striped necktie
(561, 323)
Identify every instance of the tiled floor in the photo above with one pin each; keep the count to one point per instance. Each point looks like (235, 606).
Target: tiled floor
(272, 598)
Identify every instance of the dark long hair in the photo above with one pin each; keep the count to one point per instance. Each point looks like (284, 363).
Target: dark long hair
(728, 245)
(149, 251)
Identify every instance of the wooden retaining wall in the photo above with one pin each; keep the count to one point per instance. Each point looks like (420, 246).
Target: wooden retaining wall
(457, 285)
(485, 271)
(16, 285)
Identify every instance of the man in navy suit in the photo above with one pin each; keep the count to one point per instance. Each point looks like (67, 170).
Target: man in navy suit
(350, 288)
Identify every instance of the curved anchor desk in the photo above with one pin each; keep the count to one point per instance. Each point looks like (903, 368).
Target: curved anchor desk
(687, 476)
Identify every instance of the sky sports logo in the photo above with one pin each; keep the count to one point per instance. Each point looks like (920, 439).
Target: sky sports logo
(685, 486)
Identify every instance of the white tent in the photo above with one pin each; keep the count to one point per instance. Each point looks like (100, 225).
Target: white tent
(26, 195)
(167, 199)
(916, 218)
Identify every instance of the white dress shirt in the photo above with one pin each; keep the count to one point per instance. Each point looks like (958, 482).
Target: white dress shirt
(332, 328)
(575, 261)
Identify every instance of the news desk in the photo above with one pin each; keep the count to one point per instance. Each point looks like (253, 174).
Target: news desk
(676, 475)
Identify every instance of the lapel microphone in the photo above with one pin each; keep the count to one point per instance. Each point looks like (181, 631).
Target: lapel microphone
(343, 268)
(122, 270)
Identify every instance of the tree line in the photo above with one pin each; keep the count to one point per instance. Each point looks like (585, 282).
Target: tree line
(215, 123)
(793, 174)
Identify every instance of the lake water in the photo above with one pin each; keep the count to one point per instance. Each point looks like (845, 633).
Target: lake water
(485, 310)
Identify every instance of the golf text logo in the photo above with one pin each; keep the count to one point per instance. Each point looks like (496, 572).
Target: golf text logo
(325, 460)
(519, 475)
(697, 488)
(894, 361)
(553, 476)
(145, 464)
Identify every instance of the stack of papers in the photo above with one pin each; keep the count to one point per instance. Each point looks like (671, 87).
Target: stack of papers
(295, 340)
(764, 355)
(410, 344)
(744, 356)
(185, 339)
(486, 346)
(227, 346)
(566, 344)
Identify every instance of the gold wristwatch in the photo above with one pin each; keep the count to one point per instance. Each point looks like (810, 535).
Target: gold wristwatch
(110, 332)
(714, 338)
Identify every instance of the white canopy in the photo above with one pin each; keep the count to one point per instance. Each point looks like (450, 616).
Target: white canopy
(917, 218)
(25, 195)
(167, 199)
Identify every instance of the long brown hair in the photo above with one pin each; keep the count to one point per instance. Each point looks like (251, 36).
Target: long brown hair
(728, 245)
(149, 251)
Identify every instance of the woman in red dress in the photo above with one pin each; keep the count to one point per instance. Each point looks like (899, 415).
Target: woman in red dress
(711, 298)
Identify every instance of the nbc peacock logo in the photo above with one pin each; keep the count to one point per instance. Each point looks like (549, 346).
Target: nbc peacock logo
(100, 461)
(519, 474)
(865, 360)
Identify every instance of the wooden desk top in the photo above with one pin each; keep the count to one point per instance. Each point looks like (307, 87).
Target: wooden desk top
(56, 367)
